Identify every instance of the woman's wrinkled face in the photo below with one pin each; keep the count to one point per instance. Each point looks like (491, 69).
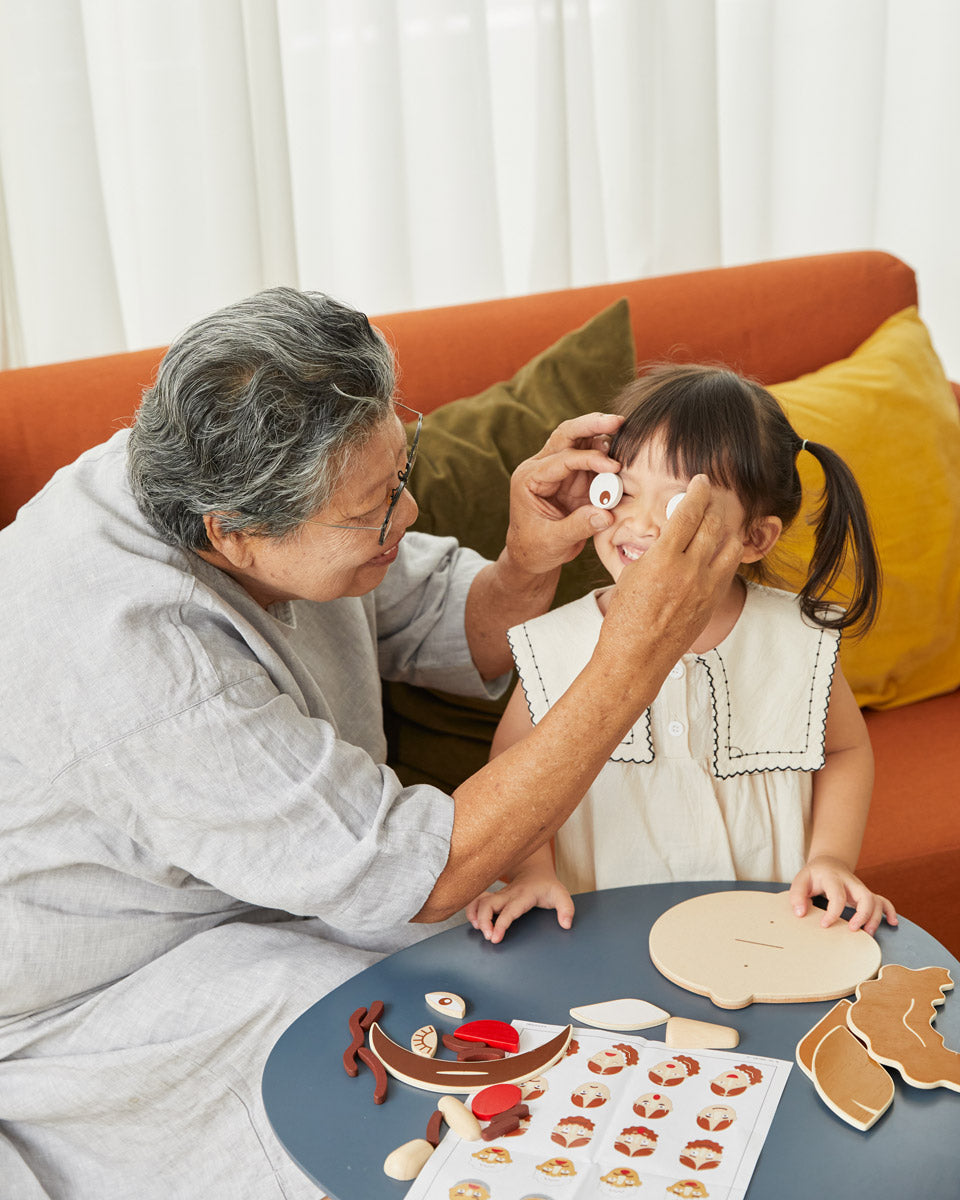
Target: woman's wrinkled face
(648, 486)
(319, 561)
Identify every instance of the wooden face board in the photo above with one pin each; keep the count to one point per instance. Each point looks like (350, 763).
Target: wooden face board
(744, 947)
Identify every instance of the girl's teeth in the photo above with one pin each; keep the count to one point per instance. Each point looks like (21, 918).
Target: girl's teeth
(628, 553)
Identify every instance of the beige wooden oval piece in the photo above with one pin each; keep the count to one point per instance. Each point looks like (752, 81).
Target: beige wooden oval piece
(686, 1034)
(620, 1015)
(424, 1041)
(407, 1161)
(460, 1119)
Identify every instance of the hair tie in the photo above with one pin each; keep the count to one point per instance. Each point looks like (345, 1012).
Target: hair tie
(803, 445)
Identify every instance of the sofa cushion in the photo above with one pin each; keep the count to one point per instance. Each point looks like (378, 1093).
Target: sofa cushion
(468, 451)
(890, 412)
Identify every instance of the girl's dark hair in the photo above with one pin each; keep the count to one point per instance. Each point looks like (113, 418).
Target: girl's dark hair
(717, 423)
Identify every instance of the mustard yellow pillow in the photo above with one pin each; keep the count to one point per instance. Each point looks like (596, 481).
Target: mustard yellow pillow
(890, 412)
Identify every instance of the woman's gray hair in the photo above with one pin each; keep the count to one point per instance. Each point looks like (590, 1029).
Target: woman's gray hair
(253, 415)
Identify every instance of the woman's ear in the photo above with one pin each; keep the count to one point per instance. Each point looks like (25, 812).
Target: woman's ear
(761, 538)
(231, 545)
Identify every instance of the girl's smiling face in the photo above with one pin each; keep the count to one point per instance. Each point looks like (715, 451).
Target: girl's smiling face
(648, 486)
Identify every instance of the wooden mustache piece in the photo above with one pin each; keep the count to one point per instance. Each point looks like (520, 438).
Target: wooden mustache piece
(443, 1075)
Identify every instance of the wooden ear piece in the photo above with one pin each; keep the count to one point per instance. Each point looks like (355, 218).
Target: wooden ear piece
(606, 490)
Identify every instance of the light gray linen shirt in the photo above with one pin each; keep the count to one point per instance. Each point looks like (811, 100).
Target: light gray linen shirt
(175, 759)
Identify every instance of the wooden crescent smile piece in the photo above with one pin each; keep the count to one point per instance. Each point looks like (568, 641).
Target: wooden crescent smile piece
(445, 1075)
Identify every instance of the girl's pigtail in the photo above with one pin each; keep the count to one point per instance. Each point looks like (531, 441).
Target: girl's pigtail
(842, 527)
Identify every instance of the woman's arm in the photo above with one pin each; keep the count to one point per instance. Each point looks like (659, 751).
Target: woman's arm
(535, 883)
(841, 802)
(514, 804)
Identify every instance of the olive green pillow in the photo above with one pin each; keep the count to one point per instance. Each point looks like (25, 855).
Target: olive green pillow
(468, 451)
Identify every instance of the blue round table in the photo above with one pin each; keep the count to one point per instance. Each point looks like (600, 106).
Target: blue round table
(331, 1127)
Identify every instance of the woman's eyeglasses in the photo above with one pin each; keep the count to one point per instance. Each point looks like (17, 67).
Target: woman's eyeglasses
(402, 476)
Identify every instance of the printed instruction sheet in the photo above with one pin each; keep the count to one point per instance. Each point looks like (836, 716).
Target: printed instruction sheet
(623, 1116)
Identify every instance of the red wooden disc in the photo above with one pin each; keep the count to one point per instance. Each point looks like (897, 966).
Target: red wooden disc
(494, 1100)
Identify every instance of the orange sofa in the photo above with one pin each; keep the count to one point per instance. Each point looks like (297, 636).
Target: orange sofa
(774, 321)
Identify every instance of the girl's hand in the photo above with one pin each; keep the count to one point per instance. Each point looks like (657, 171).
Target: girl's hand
(527, 889)
(830, 877)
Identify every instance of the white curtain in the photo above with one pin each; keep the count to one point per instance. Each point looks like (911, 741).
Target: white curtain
(159, 158)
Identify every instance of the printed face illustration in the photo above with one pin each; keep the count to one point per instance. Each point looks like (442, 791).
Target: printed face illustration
(493, 1156)
(673, 1070)
(469, 1189)
(590, 1095)
(653, 1106)
(533, 1089)
(736, 1082)
(557, 1168)
(612, 1060)
(636, 1141)
(702, 1155)
(573, 1131)
(621, 1177)
(716, 1116)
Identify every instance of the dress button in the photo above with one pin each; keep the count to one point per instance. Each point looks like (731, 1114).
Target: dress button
(677, 672)
(675, 728)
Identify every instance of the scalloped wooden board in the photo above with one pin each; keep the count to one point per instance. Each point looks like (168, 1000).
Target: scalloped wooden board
(740, 948)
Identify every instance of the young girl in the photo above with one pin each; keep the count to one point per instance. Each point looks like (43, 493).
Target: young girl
(754, 761)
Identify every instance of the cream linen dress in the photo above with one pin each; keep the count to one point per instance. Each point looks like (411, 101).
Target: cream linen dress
(714, 781)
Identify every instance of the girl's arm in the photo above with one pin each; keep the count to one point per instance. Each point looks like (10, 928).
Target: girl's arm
(841, 801)
(534, 883)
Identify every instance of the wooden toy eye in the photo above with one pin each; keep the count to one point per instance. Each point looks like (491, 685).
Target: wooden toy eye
(446, 1002)
(673, 502)
(606, 490)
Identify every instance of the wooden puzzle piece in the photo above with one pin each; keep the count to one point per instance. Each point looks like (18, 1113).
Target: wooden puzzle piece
(494, 1100)
(837, 1016)
(744, 947)
(443, 1075)
(894, 1015)
(490, 1033)
(448, 1003)
(408, 1160)
(460, 1119)
(424, 1041)
(686, 1034)
(848, 1080)
(620, 1015)
(851, 1083)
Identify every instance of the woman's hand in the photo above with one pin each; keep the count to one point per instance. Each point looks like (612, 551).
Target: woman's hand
(830, 877)
(551, 516)
(528, 889)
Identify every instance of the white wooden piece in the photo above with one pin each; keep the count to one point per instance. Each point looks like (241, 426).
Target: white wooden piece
(686, 1034)
(408, 1160)
(448, 1003)
(741, 947)
(620, 1015)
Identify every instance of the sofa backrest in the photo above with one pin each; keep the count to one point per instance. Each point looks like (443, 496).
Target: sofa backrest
(772, 320)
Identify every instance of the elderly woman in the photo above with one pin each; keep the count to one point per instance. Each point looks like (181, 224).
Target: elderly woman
(199, 836)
